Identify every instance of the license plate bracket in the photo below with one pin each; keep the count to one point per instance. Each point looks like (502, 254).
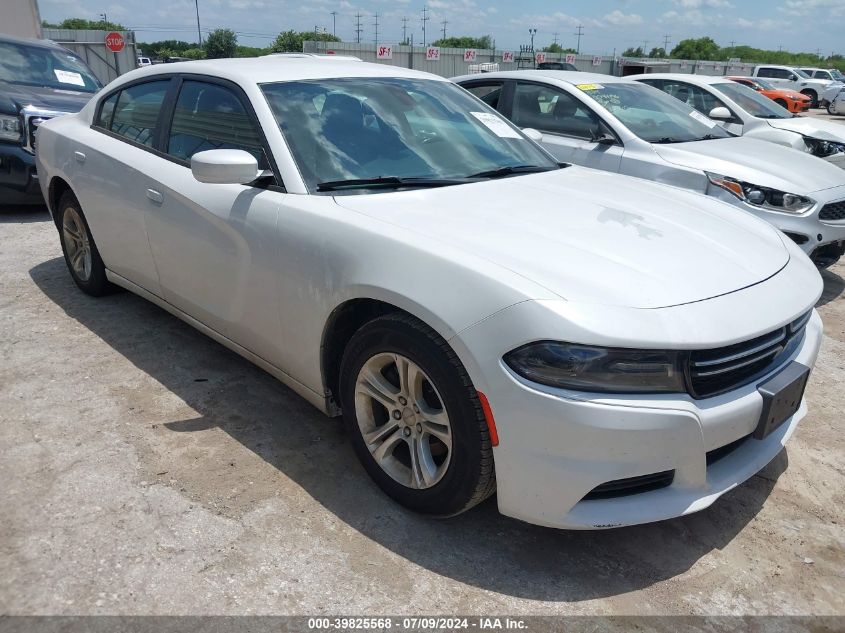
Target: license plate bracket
(782, 395)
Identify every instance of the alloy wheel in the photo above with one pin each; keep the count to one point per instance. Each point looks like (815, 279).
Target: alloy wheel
(403, 421)
(77, 244)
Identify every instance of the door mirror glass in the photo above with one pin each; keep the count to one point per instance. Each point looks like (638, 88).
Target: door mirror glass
(793, 78)
(720, 114)
(534, 135)
(224, 167)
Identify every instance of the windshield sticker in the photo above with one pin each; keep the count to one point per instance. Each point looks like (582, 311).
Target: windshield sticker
(68, 77)
(496, 125)
(695, 114)
(589, 87)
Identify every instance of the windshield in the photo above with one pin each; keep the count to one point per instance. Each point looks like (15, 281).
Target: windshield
(752, 102)
(653, 115)
(360, 129)
(765, 85)
(838, 76)
(26, 65)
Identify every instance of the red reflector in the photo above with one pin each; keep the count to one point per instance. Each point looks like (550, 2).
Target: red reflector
(488, 415)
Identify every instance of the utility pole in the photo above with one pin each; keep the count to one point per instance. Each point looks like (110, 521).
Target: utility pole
(579, 32)
(334, 22)
(444, 23)
(105, 21)
(733, 43)
(532, 33)
(425, 19)
(404, 30)
(358, 28)
(376, 16)
(645, 48)
(556, 34)
(199, 32)
(666, 44)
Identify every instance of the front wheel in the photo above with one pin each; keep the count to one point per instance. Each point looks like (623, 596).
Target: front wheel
(415, 419)
(831, 107)
(81, 255)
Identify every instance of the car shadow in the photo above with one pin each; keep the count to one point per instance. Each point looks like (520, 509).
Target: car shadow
(833, 287)
(480, 548)
(23, 214)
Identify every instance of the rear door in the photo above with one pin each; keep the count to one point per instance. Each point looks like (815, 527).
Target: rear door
(113, 172)
(570, 128)
(214, 245)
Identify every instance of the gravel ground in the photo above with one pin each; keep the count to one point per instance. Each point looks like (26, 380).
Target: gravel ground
(148, 470)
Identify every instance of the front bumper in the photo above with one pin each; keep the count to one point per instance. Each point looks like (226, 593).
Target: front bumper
(557, 446)
(18, 177)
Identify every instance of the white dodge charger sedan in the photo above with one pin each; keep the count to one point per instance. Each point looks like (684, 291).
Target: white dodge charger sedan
(600, 349)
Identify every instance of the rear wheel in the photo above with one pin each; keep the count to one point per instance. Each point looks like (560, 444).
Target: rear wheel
(81, 255)
(414, 417)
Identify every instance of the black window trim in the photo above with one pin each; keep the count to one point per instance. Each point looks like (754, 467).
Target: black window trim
(602, 123)
(165, 120)
(477, 83)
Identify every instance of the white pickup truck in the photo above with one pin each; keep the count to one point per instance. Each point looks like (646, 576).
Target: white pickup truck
(794, 79)
(836, 78)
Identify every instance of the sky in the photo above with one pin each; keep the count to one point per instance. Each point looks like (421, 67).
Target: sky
(608, 25)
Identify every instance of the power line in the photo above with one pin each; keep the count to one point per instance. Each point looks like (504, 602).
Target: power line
(425, 19)
(579, 32)
(358, 28)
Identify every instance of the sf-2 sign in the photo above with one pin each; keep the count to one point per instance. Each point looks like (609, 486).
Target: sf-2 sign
(432, 53)
(470, 55)
(384, 52)
(115, 42)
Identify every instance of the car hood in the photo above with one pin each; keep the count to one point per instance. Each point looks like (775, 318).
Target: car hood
(815, 128)
(590, 236)
(14, 97)
(756, 161)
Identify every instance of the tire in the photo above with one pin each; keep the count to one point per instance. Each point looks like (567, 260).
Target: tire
(814, 98)
(455, 472)
(81, 255)
(782, 103)
(831, 107)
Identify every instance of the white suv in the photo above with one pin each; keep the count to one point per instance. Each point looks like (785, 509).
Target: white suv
(837, 81)
(794, 79)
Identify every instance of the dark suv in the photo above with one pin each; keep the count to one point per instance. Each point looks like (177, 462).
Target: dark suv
(38, 80)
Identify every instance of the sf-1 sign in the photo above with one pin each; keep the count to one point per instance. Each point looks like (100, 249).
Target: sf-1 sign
(384, 52)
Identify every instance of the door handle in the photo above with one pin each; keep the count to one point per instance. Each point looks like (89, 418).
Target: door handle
(79, 156)
(155, 196)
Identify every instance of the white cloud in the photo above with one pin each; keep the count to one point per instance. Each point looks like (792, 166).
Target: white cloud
(617, 18)
(697, 4)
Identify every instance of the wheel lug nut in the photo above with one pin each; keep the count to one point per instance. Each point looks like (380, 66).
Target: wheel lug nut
(416, 409)
(407, 431)
(419, 427)
(402, 401)
(397, 414)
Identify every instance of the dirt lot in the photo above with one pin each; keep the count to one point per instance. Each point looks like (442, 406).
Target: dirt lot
(146, 469)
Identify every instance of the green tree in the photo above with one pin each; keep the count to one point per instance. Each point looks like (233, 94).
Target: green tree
(221, 43)
(192, 53)
(633, 52)
(464, 41)
(291, 41)
(83, 24)
(697, 49)
(657, 53)
(557, 48)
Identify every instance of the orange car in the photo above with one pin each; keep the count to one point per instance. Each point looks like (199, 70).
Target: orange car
(789, 99)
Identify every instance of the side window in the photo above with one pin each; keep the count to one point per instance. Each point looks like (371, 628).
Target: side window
(488, 93)
(136, 112)
(106, 111)
(781, 73)
(693, 96)
(552, 110)
(210, 116)
(766, 72)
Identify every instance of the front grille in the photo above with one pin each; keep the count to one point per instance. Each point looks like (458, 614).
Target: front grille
(833, 211)
(716, 371)
(631, 485)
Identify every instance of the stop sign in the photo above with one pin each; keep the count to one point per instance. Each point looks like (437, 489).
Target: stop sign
(115, 42)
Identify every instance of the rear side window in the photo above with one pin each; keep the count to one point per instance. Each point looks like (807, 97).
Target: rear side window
(488, 93)
(106, 111)
(775, 73)
(210, 116)
(552, 110)
(135, 115)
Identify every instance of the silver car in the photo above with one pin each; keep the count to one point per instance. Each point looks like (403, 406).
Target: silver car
(623, 126)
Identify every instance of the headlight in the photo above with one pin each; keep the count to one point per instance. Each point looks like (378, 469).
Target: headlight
(10, 128)
(818, 147)
(602, 369)
(763, 197)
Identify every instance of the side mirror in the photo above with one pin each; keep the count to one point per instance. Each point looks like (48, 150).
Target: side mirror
(534, 135)
(604, 139)
(224, 167)
(720, 114)
(793, 78)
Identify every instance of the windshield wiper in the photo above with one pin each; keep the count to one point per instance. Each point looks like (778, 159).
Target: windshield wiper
(501, 172)
(668, 139)
(389, 182)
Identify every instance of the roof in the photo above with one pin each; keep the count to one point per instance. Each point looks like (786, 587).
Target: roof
(566, 76)
(273, 68)
(699, 79)
(29, 41)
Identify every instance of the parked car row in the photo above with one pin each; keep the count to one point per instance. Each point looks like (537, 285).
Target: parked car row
(598, 327)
